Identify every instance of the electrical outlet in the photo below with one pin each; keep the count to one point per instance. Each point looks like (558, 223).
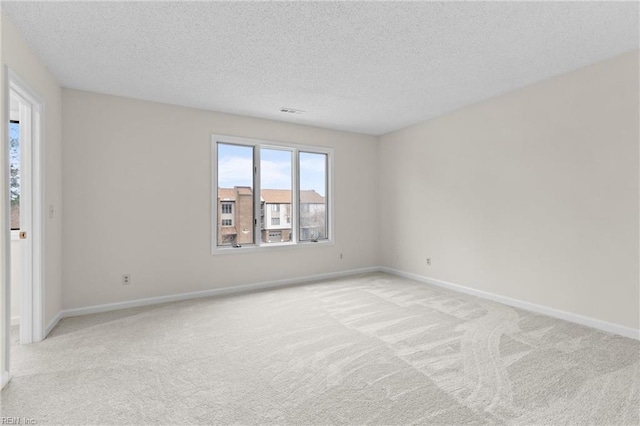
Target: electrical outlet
(429, 261)
(126, 279)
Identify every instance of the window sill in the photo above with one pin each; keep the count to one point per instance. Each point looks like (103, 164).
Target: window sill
(271, 247)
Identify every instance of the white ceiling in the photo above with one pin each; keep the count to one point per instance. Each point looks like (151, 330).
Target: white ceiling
(363, 67)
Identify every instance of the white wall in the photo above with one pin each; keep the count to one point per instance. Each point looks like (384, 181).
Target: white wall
(532, 195)
(15, 280)
(137, 196)
(19, 57)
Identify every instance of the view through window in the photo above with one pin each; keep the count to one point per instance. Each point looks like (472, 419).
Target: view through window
(275, 196)
(313, 188)
(290, 207)
(235, 195)
(14, 180)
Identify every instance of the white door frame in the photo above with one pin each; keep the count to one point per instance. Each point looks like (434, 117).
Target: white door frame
(32, 221)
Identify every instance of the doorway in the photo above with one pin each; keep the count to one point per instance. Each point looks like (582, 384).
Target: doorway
(24, 143)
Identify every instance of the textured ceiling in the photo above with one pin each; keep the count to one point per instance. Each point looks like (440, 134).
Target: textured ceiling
(363, 67)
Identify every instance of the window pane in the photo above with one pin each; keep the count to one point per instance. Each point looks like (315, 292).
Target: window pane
(235, 195)
(275, 182)
(14, 160)
(313, 194)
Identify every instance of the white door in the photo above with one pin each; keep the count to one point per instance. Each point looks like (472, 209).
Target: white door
(31, 224)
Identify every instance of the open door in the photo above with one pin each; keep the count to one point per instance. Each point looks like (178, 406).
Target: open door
(24, 117)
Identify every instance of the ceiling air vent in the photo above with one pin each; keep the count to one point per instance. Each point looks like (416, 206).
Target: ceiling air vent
(291, 110)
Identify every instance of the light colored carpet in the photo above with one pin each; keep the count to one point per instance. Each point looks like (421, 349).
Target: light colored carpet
(372, 349)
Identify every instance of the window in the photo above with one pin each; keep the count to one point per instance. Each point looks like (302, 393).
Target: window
(14, 180)
(312, 196)
(227, 208)
(276, 181)
(235, 186)
(265, 185)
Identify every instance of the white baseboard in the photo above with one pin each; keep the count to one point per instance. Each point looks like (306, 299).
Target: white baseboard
(52, 324)
(15, 320)
(567, 316)
(545, 310)
(4, 378)
(208, 293)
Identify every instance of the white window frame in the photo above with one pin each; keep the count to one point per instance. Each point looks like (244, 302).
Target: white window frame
(295, 150)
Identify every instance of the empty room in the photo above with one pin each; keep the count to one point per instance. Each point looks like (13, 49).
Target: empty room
(317, 213)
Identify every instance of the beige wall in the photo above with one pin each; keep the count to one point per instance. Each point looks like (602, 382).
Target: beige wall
(137, 180)
(532, 195)
(19, 57)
